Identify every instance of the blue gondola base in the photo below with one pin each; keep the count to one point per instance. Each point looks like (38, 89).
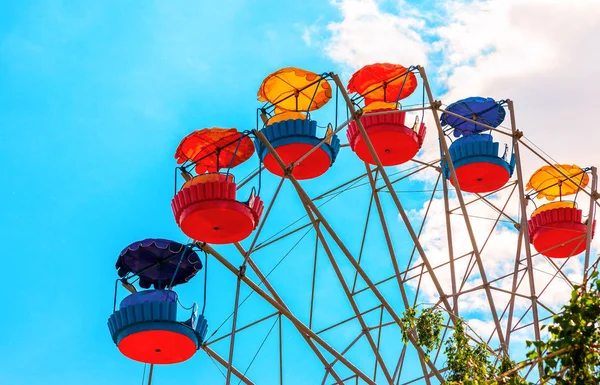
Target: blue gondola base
(293, 138)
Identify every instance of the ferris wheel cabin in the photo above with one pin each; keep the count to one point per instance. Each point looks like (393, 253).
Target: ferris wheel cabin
(479, 167)
(293, 93)
(557, 229)
(146, 329)
(291, 139)
(381, 86)
(393, 141)
(206, 207)
(475, 155)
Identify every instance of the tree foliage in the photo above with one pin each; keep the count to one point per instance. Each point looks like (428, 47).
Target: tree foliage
(427, 327)
(570, 355)
(466, 361)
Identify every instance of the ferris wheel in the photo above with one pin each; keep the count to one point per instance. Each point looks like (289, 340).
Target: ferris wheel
(326, 239)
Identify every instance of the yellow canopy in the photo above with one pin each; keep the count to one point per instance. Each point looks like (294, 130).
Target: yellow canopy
(550, 183)
(281, 115)
(554, 205)
(292, 89)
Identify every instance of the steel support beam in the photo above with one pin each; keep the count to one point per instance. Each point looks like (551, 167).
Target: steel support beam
(310, 204)
(525, 230)
(459, 195)
(304, 330)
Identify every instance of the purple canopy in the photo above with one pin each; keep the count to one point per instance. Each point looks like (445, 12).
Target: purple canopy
(155, 262)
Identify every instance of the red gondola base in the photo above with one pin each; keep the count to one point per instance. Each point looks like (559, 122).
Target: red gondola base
(481, 177)
(209, 212)
(217, 221)
(393, 142)
(157, 347)
(562, 240)
(559, 233)
(316, 164)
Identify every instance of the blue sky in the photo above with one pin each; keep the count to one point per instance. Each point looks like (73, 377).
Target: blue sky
(94, 98)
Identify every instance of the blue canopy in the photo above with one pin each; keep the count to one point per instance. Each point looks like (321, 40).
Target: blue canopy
(148, 296)
(155, 262)
(484, 110)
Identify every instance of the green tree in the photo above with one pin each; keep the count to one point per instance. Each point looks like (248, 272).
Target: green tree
(466, 361)
(570, 356)
(427, 327)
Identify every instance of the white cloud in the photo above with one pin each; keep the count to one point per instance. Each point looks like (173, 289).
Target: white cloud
(523, 51)
(539, 54)
(367, 35)
(503, 49)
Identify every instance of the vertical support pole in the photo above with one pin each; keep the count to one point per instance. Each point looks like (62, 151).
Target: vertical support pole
(150, 374)
(363, 239)
(525, 230)
(379, 342)
(314, 279)
(450, 244)
(515, 285)
(590, 225)
(400, 365)
(484, 280)
(264, 219)
(280, 352)
(234, 323)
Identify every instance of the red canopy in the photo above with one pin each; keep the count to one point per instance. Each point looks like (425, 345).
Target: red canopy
(383, 82)
(202, 147)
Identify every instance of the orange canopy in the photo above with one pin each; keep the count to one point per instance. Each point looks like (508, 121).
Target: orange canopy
(372, 105)
(550, 183)
(202, 147)
(383, 82)
(205, 178)
(295, 89)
